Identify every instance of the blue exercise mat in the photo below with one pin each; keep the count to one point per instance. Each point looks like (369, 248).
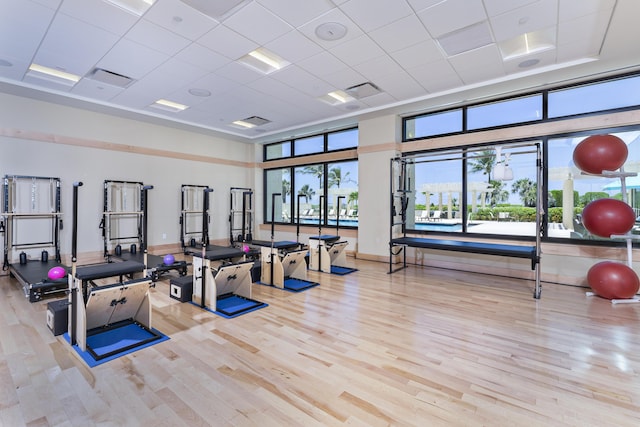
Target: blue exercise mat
(115, 342)
(295, 285)
(230, 306)
(341, 271)
(298, 285)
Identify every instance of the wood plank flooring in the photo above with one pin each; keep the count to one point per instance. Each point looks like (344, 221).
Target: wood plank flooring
(421, 347)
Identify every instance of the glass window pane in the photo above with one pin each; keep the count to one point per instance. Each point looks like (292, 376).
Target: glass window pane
(507, 112)
(310, 145)
(595, 97)
(343, 184)
(433, 124)
(278, 181)
(570, 191)
(343, 139)
(309, 186)
(502, 203)
(278, 151)
(438, 193)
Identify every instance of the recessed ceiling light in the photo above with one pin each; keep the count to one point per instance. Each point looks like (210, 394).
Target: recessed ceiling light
(137, 7)
(199, 92)
(336, 97)
(164, 104)
(53, 74)
(526, 44)
(264, 61)
(251, 122)
(331, 31)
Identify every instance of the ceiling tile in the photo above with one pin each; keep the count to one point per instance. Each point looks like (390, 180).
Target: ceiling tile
(155, 37)
(400, 34)
(73, 45)
(227, 42)
(400, 86)
(96, 90)
(303, 81)
(29, 20)
(571, 31)
(418, 54)
(334, 15)
(377, 68)
(571, 9)
(180, 18)
(239, 73)
(418, 5)
(372, 14)
(293, 46)
(294, 13)
(477, 65)
(202, 57)
(542, 14)
(357, 51)
(436, 76)
(344, 78)
(101, 14)
(257, 24)
(451, 15)
(497, 7)
(322, 63)
(131, 59)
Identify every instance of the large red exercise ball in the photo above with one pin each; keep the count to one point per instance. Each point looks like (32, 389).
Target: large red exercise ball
(604, 217)
(56, 273)
(613, 280)
(598, 153)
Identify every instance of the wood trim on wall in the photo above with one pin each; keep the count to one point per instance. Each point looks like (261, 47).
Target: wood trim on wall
(111, 146)
(316, 158)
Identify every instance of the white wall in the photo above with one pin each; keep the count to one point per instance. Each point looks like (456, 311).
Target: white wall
(43, 139)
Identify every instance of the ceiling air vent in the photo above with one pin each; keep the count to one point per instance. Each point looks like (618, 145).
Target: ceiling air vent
(363, 90)
(110, 78)
(251, 122)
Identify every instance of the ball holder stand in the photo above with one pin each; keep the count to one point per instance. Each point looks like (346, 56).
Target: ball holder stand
(628, 237)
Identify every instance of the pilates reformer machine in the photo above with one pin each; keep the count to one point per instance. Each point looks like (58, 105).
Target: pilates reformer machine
(241, 223)
(218, 272)
(124, 222)
(327, 250)
(282, 264)
(31, 222)
(100, 308)
(192, 216)
(402, 186)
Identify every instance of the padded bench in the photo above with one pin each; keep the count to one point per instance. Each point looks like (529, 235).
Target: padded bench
(498, 249)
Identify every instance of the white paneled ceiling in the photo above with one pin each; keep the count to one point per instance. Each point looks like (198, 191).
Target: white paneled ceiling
(175, 51)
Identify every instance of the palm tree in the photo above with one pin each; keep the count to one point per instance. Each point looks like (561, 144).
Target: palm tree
(484, 163)
(286, 189)
(336, 178)
(353, 197)
(315, 170)
(526, 189)
(498, 194)
(307, 191)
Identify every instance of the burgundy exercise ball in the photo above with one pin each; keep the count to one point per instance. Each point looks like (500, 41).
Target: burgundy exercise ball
(604, 217)
(598, 153)
(613, 280)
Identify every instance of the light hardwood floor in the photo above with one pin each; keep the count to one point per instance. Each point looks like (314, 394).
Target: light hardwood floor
(421, 347)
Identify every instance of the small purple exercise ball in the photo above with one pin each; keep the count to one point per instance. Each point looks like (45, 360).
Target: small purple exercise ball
(245, 249)
(169, 259)
(56, 273)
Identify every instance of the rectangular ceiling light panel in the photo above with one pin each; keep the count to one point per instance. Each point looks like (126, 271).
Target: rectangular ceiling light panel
(136, 7)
